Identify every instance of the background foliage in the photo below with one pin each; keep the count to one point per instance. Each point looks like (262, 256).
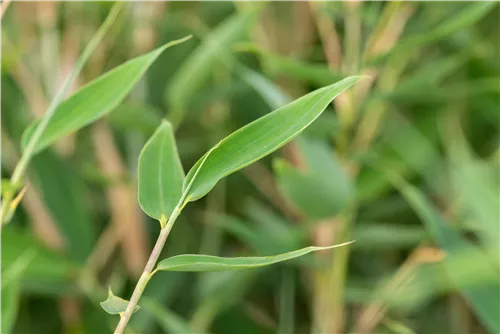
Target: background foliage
(406, 163)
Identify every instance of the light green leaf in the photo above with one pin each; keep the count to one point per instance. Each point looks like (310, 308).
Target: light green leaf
(259, 138)
(116, 305)
(160, 174)
(138, 117)
(190, 262)
(196, 70)
(94, 100)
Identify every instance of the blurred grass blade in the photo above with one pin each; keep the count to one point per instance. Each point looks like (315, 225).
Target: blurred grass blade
(190, 262)
(315, 74)
(46, 266)
(160, 174)
(320, 191)
(196, 70)
(64, 194)
(466, 17)
(94, 100)
(259, 138)
(482, 298)
(166, 319)
(114, 304)
(10, 291)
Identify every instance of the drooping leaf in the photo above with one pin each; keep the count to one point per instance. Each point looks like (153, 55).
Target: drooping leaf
(116, 305)
(196, 70)
(190, 262)
(258, 139)
(160, 173)
(482, 297)
(94, 100)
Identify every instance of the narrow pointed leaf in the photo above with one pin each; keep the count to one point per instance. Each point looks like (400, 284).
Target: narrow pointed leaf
(160, 173)
(115, 305)
(94, 100)
(259, 138)
(190, 262)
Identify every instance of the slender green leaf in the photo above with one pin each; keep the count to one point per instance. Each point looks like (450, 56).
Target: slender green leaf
(115, 305)
(160, 174)
(259, 138)
(94, 100)
(190, 262)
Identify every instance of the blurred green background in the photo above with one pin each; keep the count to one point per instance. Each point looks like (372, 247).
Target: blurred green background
(406, 163)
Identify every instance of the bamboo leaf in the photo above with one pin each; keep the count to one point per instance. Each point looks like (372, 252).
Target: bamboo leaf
(115, 305)
(94, 100)
(188, 262)
(160, 174)
(259, 138)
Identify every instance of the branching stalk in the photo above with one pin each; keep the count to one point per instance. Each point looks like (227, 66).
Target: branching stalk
(148, 270)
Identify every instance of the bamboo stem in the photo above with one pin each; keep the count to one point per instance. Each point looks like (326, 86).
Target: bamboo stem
(148, 269)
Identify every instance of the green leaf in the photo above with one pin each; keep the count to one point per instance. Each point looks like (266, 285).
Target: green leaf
(190, 262)
(320, 191)
(160, 174)
(116, 305)
(258, 139)
(196, 70)
(482, 298)
(94, 100)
